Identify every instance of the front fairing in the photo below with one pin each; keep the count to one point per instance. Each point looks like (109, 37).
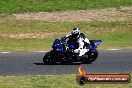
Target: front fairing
(58, 45)
(94, 44)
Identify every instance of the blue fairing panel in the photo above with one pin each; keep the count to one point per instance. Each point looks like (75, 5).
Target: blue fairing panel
(59, 48)
(57, 45)
(95, 43)
(56, 42)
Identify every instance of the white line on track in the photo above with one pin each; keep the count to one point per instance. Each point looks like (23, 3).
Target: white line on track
(5, 52)
(113, 49)
(40, 51)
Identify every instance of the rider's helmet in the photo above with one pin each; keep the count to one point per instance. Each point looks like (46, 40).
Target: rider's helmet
(75, 32)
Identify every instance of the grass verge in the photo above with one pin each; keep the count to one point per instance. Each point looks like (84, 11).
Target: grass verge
(53, 81)
(15, 6)
(114, 34)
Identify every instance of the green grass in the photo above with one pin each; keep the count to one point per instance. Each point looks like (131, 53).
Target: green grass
(9, 44)
(32, 26)
(53, 81)
(16, 6)
(113, 34)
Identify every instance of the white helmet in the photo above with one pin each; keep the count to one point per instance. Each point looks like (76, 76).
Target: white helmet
(75, 32)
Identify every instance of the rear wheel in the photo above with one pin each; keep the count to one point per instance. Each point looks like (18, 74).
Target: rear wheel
(89, 57)
(48, 58)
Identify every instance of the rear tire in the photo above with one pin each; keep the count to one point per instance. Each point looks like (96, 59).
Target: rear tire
(48, 58)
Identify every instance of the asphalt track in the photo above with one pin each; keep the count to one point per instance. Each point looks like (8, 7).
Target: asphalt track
(109, 61)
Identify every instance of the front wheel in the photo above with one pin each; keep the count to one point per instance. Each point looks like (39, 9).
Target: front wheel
(89, 57)
(48, 58)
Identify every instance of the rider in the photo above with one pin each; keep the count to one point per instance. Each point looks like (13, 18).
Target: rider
(81, 42)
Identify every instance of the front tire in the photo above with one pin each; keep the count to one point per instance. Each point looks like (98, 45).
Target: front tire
(48, 58)
(89, 57)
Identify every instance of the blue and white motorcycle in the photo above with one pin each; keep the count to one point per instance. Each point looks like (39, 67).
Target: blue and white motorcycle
(64, 53)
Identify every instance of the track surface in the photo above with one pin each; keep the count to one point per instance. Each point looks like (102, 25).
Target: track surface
(119, 61)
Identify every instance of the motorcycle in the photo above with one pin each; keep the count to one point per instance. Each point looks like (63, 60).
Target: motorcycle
(64, 53)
